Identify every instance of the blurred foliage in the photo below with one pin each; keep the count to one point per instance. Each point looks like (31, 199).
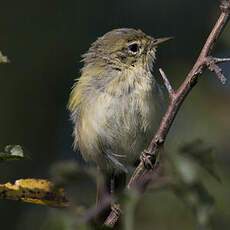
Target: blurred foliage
(203, 155)
(68, 172)
(187, 182)
(184, 179)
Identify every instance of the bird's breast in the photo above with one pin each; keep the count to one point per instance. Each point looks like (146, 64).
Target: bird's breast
(120, 124)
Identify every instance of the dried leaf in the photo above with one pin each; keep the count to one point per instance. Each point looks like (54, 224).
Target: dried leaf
(36, 191)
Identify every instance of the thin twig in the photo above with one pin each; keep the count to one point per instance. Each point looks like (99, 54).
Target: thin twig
(175, 104)
(221, 60)
(213, 67)
(167, 84)
(212, 62)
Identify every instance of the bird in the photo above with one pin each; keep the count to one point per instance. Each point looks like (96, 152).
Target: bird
(116, 103)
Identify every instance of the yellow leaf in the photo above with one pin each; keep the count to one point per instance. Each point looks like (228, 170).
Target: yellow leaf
(36, 191)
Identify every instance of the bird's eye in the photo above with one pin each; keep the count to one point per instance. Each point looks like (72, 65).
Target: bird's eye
(133, 48)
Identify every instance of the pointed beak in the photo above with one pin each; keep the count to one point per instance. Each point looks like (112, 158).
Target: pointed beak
(157, 41)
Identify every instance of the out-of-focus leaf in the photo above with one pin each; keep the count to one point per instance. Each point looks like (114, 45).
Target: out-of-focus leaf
(75, 178)
(66, 172)
(3, 59)
(185, 180)
(58, 219)
(197, 197)
(12, 152)
(36, 191)
(186, 169)
(202, 155)
(130, 200)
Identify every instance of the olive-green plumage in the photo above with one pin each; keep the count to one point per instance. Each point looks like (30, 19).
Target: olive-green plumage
(115, 104)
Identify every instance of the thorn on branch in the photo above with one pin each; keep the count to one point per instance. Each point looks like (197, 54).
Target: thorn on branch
(212, 62)
(167, 84)
(220, 60)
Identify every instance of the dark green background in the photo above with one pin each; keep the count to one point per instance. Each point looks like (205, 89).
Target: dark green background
(44, 41)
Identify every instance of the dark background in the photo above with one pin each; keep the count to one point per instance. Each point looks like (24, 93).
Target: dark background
(44, 41)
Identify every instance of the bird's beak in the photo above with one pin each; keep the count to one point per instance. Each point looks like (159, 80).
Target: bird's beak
(157, 41)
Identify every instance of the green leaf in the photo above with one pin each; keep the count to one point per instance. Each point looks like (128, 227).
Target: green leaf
(3, 59)
(12, 152)
(203, 155)
(69, 172)
(199, 200)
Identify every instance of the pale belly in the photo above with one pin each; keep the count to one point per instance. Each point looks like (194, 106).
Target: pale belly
(113, 131)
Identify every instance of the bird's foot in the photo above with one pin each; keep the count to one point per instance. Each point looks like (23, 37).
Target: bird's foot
(148, 159)
(116, 209)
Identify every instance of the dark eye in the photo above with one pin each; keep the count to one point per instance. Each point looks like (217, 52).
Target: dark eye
(134, 47)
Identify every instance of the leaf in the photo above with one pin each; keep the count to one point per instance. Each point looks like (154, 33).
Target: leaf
(188, 185)
(70, 172)
(203, 155)
(12, 152)
(130, 200)
(3, 59)
(35, 191)
(198, 199)
(186, 169)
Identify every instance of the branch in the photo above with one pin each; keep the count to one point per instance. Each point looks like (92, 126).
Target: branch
(212, 62)
(144, 169)
(167, 85)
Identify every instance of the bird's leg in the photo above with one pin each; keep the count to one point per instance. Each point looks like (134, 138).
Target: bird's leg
(113, 191)
(115, 206)
(112, 184)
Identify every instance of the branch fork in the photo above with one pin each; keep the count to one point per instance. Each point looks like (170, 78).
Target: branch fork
(225, 6)
(210, 62)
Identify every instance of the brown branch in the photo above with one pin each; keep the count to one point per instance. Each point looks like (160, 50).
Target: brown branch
(138, 179)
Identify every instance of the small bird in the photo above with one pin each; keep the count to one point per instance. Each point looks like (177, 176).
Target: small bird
(116, 103)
